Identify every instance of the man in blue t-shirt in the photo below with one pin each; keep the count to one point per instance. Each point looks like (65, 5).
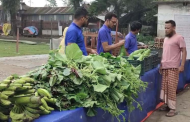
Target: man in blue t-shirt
(104, 43)
(131, 43)
(74, 32)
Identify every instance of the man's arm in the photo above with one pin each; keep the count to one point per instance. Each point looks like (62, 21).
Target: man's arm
(142, 46)
(91, 51)
(127, 54)
(184, 55)
(108, 48)
(160, 69)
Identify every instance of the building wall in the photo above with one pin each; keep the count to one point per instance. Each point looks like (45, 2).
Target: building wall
(48, 32)
(65, 18)
(167, 12)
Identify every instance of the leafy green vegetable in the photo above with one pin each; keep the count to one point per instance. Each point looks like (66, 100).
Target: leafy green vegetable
(89, 81)
(73, 52)
(122, 51)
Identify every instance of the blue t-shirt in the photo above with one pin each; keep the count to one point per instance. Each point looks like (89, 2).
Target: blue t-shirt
(104, 35)
(74, 35)
(131, 43)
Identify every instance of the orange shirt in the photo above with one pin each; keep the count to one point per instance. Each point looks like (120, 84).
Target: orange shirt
(171, 51)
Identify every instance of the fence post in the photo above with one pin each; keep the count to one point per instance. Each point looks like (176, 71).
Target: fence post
(41, 27)
(24, 23)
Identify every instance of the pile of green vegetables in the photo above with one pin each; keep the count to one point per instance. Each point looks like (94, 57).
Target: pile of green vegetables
(94, 81)
(139, 55)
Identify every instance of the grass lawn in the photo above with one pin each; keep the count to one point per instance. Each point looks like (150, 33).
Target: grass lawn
(8, 49)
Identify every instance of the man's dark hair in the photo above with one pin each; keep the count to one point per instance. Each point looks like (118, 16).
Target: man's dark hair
(171, 22)
(80, 12)
(135, 26)
(110, 15)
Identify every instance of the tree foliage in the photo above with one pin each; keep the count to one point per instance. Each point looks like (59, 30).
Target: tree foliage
(127, 10)
(11, 6)
(98, 6)
(52, 3)
(75, 3)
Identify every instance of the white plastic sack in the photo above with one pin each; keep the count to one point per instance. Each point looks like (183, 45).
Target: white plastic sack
(54, 43)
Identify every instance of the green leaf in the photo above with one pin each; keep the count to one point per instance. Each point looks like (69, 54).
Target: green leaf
(53, 80)
(82, 95)
(77, 81)
(91, 112)
(80, 73)
(73, 52)
(60, 78)
(107, 78)
(58, 63)
(99, 67)
(139, 106)
(89, 103)
(67, 72)
(119, 76)
(100, 88)
(44, 74)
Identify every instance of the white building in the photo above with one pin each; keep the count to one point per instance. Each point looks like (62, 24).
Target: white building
(178, 10)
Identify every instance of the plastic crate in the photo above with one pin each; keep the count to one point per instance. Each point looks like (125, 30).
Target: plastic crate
(154, 59)
(158, 50)
(145, 64)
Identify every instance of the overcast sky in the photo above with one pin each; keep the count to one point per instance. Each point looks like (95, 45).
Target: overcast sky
(41, 3)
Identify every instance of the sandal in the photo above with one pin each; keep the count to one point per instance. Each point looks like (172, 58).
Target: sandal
(166, 108)
(171, 113)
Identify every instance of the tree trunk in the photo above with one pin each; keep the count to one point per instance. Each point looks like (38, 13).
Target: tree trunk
(13, 23)
(76, 4)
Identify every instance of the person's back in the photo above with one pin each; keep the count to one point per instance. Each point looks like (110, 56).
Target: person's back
(62, 44)
(74, 32)
(104, 35)
(131, 43)
(74, 35)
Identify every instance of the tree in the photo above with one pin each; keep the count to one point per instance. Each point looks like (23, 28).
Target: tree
(141, 10)
(11, 6)
(52, 3)
(74, 3)
(116, 6)
(65, 2)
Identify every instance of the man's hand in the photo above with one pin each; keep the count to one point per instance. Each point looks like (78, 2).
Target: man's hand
(160, 70)
(93, 52)
(145, 46)
(122, 42)
(120, 35)
(181, 69)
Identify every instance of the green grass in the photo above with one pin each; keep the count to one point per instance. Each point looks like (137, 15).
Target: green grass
(8, 49)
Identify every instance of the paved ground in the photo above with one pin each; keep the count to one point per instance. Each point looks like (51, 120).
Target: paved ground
(23, 64)
(183, 108)
(20, 65)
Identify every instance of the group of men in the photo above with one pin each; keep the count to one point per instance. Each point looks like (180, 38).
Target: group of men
(104, 44)
(174, 46)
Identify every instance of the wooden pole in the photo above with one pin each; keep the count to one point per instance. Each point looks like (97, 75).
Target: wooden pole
(51, 36)
(116, 35)
(17, 42)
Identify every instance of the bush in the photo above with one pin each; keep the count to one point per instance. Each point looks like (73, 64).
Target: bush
(145, 39)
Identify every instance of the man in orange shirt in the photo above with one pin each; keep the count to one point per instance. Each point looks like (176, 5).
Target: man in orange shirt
(174, 46)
